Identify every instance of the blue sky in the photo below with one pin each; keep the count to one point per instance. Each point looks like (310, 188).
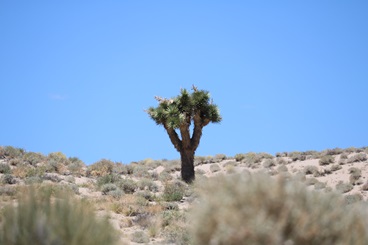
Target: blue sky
(76, 76)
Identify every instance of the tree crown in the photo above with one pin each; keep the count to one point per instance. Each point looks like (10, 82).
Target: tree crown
(181, 110)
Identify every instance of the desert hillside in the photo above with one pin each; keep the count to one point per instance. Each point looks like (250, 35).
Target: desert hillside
(146, 202)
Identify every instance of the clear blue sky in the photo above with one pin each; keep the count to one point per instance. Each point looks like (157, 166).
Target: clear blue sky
(76, 76)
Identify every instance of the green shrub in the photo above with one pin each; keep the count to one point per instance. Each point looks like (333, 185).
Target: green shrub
(101, 168)
(106, 188)
(13, 152)
(147, 183)
(325, 160)
(335, 167)
(8, 179)
(270, 211)
(108, 179)
(33, 180)
(174, 191)
(129, 186)
(239, 157)
(76, 166)
(40, 219)
(165, 176)
(5, 168)
(33, 158)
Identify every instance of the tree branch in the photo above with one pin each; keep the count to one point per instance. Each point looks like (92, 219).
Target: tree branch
(174, 138)
(197, 132)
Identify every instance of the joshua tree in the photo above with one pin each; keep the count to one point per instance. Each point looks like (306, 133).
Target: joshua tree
(178, 114)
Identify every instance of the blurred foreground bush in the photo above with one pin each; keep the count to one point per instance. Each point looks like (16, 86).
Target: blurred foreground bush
(257, 209)
(43, 217)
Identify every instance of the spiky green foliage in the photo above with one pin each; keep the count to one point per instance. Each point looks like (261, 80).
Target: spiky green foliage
(175, 112)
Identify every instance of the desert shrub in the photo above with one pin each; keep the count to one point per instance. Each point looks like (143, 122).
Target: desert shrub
(33, 158)
(251, 159)
(140, 237)
(8, 179)
(281, 161)
(76, 166)
(51, 177)
(165, 176)
(198, 160)
(2, 152)
(220, 157)
(174, 191)
(335, 151)
(102, 167)
(310, 169)
(33, 180)
(130, 205)
(365, 186)
(360, 157)
(5, 168)
(40, 219)
(106, 188)
(119, 168)
(297, 156)
(268, 163)
(355, 171)
(117, 194)
(108, 179)
(350, 150)
(15, 161)
(343, 187)
(147, 183)
(326, 160)
(7, 191)
(57, 162)
(215, 168)
(355, 175)
(239, 157)
(177, 233)
(270, 211)
(129, 186)
(335, 167)
(342, 161)
(140, 171)
(25, 170)
(58, 157)
(13, 152)
(283, 154)
(146, 194)
(344, 156)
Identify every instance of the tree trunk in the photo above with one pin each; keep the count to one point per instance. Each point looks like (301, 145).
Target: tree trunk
(187, 165)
